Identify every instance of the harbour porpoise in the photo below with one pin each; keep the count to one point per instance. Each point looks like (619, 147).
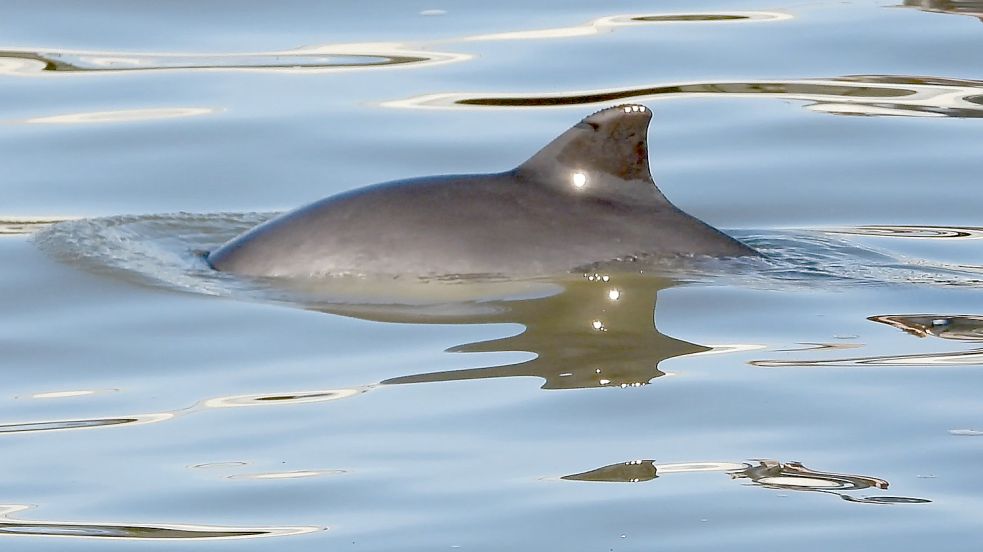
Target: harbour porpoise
(586, 198)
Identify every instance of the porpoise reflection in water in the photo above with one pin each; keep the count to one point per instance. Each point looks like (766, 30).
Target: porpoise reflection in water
(598, 331)
(587, 197)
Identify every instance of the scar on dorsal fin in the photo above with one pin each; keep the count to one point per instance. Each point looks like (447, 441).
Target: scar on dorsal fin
(612, 141)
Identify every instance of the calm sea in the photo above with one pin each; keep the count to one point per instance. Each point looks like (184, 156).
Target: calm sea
(827, 398)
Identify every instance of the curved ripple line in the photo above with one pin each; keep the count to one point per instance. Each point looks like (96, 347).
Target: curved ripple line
(965, 327)
(609, 23)
(868, 95)
(296, 474)
(297, 397)
(277, 399)
(959, 358)
(123, 531)
(913, 232)
(770, 474)
(122, 115)
(84, 423)
(337, 57)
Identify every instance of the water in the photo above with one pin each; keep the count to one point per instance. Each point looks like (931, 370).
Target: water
(824, 397)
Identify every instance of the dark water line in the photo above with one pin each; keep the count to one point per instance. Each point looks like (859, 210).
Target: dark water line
(870, 95)
(708, 88)
(120, 531)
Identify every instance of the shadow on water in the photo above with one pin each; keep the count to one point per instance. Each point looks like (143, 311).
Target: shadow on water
(770, 474)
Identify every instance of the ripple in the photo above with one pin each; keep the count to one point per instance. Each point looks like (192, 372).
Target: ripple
(219, 465)
(167, 250)
(88, 423)
(966, 432)
(793, 476)
(161, 250)
(771, 474)
(277, 399)
(955, 327)
(120, 531)
(610, 23)
(681, 17)
(886, 499)
(822, 347)
(70, 393)
(122, 116)
(867, 95)
(299, 397)
(958, 358)
(319, 58)
(913, 232)
(296, 474)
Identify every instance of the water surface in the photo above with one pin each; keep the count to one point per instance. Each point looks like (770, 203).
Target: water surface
(823, 397)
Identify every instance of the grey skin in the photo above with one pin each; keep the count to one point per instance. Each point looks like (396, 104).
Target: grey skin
(587, 198)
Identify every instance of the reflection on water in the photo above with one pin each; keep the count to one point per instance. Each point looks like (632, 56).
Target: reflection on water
(607, 24)
(598, 332)
(793, 476)
(771, 474)
(296, 474)
(122, 115)
(966, 432)
(967, 328)
(335, 56)
(960, 328)
(299, 397)
(822, 347)
(958, 358)
(67, 394)
(589, 330)
(60, 425)
(119, 531)
(973, 8)
(166, 250)
(632, 471)
(913, 232)
(853, 95)
(317, 58)
(26, 225)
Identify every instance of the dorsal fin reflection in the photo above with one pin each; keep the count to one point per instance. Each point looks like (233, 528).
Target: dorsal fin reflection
(598, 331)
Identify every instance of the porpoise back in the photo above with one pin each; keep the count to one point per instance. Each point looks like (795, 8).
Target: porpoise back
(586, 198)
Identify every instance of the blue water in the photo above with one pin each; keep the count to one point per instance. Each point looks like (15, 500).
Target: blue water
(824, 397)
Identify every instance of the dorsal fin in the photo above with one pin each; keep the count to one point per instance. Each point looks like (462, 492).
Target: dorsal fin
(610, 142)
